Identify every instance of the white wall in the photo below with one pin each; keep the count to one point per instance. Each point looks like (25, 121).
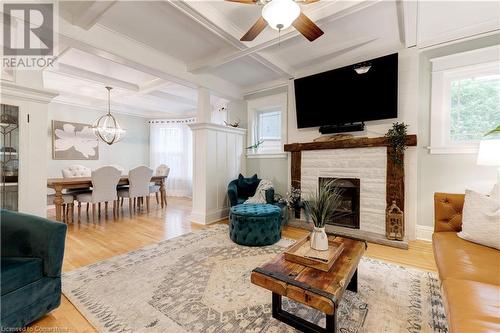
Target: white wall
(407, 112)
(276, 168)
(132, 151)
(451, 173)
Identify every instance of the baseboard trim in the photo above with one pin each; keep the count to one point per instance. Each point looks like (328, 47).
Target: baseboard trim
(210, 217)
(424, 232)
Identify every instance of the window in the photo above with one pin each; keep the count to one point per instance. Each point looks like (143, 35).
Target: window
(267, 126)
(170, 143)
(475, 107)
(465, 101)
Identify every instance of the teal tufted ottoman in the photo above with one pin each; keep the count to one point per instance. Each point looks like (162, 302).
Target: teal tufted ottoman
(255, 224)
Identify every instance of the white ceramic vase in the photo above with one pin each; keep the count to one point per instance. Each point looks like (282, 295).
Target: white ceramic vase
(319, 239)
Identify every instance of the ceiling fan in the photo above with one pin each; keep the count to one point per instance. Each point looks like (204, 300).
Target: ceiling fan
(279, 15)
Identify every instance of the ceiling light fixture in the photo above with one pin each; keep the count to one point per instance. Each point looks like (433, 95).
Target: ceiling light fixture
(280, 14)
(106, 127)
(362, 68)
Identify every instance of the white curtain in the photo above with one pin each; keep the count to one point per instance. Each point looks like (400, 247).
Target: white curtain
(171, 144)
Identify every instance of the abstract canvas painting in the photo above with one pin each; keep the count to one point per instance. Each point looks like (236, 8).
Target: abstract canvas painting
(73, 141)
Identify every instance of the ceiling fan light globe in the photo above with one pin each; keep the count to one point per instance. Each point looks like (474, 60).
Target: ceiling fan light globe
(280, 14)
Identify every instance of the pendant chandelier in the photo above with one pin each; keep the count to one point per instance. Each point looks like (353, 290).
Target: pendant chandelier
(106, 127)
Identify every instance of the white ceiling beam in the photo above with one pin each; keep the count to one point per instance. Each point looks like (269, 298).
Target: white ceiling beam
(407, 22)
(320, 15)
(112, 46)
(265, 86)
(189, 10)
(322, 63)
(88, 18)
(78, 73)
(173, 98)
(101, 105)
(153, 85)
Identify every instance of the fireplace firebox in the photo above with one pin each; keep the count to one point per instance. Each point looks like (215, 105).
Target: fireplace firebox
(347, 215)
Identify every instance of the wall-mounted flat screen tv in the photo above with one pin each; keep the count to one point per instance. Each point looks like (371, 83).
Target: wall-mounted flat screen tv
(356, 93)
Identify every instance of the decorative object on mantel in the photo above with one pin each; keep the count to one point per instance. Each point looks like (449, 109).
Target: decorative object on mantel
(235, 124)
(320, 207)
(302, 253)
(397, 139)
(106, 127)
(394, 223)
(333, 137)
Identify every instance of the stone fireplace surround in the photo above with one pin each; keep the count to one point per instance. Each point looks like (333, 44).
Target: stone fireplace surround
(367, 159)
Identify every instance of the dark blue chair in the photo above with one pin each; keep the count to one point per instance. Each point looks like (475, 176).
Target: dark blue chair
(32, 250)
(239, 190)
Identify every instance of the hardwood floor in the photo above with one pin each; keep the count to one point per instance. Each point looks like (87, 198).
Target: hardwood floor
(88, 242)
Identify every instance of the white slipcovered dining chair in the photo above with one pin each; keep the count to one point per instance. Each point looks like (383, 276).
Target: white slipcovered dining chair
(104, 182)
(74, 171)
(119, 167)
(161, 170)
(138, 179)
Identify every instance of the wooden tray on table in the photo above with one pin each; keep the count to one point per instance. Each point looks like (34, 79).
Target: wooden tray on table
(303, 254)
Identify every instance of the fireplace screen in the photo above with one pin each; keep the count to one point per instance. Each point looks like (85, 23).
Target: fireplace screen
(347, 215)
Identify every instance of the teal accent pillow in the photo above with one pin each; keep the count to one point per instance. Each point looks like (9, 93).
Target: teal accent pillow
(247, 186)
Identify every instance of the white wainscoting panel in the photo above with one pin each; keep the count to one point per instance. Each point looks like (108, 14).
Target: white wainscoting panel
(218, 159)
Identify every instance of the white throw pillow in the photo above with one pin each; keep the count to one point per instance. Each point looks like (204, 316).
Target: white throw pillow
(481, 220)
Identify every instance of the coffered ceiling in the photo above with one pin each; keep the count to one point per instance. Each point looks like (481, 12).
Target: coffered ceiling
(157, 53)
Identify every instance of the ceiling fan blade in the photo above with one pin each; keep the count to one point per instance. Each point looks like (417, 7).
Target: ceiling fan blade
(307, 27)
(306, 2)
(255, 30)
(248, 2)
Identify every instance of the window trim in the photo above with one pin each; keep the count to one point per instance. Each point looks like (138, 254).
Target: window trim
(444, 71)
(255, 107)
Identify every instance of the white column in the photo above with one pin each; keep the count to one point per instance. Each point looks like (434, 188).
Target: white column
(218, 158)
(204, 110)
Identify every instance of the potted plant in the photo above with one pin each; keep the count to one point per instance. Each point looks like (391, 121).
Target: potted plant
(291, 200)
(397, 139)
(320, 206)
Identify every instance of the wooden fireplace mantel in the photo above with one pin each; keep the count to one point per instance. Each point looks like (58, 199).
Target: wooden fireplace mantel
(362, 142)
(395, 173)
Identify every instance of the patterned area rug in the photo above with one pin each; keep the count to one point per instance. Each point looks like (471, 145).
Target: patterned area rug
(200, 282)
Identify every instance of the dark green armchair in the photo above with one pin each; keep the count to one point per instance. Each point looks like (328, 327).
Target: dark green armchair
(31, 261)
(239, 190)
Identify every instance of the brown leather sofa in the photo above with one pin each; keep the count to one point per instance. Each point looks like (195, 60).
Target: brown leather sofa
(469, 272)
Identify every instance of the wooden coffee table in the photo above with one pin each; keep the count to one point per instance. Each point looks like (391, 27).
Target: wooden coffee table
(312, 287)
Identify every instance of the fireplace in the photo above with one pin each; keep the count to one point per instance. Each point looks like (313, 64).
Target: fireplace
(347, 215)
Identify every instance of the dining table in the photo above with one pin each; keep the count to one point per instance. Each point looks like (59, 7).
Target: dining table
(61, 184)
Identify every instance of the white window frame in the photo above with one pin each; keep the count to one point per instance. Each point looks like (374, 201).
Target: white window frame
(255, 107)
(445, 70)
